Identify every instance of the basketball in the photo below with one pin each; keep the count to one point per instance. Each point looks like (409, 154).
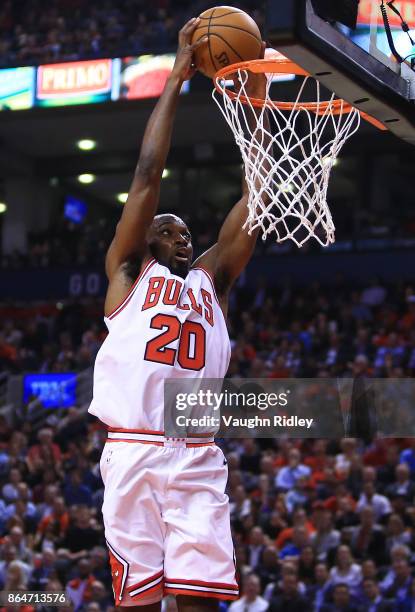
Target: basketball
(233, 37)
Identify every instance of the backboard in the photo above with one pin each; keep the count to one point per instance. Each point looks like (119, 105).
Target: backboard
(357, 62)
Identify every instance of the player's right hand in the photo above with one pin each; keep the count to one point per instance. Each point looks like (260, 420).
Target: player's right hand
(184, 67)
(255, 85)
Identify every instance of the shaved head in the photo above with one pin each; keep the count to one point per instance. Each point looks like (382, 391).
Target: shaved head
(166, 218)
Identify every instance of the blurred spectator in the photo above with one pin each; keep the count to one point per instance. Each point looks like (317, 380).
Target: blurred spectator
(406, 603)
(9, 554)
(387, 470)
(80, 589)
(341, 600)
(306, 564)
(268, 569)
(82, 534)
(325, 538)
(19, 541)
(15, 578)
(10, 491)
(44, 454)
(56, 521)
(398, 583)
(368, 539)
(374, 602)
(297, 496)
(345, 571)
(300, 538)
(402, 485)
(251, 601)
(288, 476)
(408, 456)
(75, 492)
(317, 592)
(256, 546)
(379, 503)
(43, 570)
(396, 532)
(373, 295)
(289, 598)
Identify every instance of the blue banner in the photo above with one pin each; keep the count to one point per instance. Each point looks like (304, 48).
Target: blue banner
(51, 284)
(52, 390)
(17, 88)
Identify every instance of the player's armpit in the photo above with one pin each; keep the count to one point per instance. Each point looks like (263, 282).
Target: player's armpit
(226, 259)
(235, 246)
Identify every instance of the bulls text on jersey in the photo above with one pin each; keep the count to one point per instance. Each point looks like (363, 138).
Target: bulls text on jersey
(169, 292)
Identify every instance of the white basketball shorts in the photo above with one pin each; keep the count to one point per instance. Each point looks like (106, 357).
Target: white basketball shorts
(166, 518)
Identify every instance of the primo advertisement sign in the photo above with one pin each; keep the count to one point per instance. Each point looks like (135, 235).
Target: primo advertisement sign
(74, 83)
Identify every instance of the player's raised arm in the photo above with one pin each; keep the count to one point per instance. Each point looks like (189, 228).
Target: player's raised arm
(142, 202)
(229, 256)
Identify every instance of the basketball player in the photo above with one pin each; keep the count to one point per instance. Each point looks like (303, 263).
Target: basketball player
(165, 511)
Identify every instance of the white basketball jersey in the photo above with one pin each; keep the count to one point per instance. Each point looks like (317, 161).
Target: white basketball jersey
(167, 327)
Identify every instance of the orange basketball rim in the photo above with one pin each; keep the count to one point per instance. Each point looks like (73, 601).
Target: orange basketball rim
(278, 64)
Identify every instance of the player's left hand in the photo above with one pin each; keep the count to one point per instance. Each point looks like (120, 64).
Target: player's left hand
(183, 66)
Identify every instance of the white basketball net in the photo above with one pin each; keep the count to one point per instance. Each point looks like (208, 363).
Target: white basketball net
(287, 173)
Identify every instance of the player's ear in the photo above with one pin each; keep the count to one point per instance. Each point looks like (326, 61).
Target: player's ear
(150, 233)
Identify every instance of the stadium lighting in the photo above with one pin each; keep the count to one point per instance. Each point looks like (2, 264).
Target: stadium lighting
(329, 160)
(86, 144)
(166, 173)
(3, 207)
(122, 197)
(286, 187)
(86, 179)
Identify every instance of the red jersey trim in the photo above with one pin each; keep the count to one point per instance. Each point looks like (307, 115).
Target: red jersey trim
(188, 444)
(129, 295)
(108, 440)
(191, 445)
(147, 586)
(152, 432)
(202, 583)
(199, 588)
(146, 581)
(149, 591)
(210, 280)
(136, 431)
(119, 572)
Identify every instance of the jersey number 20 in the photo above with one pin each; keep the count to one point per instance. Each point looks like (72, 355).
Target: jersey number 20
(156, 349)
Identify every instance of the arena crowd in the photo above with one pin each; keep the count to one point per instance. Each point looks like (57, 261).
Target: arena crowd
(33, 33)
(276, 332)
(318, 525)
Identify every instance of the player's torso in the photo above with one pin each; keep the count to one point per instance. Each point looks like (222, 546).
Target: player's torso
(167, 327)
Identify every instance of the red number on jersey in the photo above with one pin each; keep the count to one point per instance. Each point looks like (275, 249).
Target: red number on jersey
(157, 351)
(195, 331)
